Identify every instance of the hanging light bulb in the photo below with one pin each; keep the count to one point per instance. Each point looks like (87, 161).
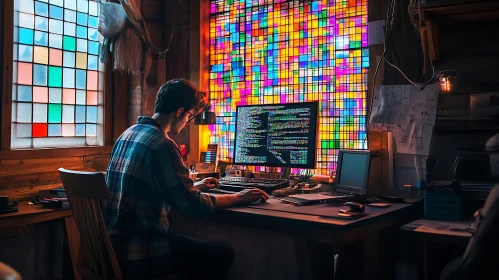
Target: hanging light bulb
(445, 84)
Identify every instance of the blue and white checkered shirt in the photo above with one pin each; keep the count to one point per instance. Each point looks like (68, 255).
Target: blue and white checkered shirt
(146, 176)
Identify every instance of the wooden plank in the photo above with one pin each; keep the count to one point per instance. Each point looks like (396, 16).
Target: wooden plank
(120, 101)
(55, 153)
(28, 166)
(1, 61)
(31, 214)
(27, 193)
(135, 98)
(73, 242)
(8, 37)
(108, 102)
(98, 162)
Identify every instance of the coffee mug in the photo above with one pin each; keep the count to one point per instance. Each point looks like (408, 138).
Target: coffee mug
(4, 202)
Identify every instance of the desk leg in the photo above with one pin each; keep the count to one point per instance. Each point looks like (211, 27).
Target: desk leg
(73, 242)
(314, 260)
(371, 256)
(302, 258)
(425, 260)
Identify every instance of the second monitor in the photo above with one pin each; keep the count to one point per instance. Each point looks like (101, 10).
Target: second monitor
(279, 135)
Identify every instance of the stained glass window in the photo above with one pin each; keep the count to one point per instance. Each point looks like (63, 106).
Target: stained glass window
(286, 51)
(57, 98)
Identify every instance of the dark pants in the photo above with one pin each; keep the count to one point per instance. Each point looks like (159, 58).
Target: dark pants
(190, 258)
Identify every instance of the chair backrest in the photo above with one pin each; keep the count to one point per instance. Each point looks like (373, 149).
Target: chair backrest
(84, 191)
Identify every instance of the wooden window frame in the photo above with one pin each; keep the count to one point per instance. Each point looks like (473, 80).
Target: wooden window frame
(115, 109)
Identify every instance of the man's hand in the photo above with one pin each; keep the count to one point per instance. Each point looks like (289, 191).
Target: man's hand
(241, 198)
(207, 184)
(251, 195)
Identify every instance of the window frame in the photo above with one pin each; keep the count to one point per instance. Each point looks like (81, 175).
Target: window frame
(7, 27)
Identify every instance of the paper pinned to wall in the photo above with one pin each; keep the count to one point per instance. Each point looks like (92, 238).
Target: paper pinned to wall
(409, 112)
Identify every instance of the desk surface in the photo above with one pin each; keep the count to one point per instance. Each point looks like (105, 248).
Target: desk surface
(444, 228)
(31, 214)
(321, 215)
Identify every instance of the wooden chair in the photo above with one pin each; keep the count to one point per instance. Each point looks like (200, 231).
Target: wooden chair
(97, 259)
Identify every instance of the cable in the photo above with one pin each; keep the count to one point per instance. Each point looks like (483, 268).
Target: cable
(388, 29)
(390, 19)
(138, 22)
(397, 68)
(409, 80)
(173, 27)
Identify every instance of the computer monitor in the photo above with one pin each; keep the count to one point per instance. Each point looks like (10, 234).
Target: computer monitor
(352, 171)
(277, 135)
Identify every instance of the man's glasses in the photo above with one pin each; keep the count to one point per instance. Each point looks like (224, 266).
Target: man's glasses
(191, 116)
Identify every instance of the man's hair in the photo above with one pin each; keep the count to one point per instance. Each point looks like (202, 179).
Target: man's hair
(176, 94)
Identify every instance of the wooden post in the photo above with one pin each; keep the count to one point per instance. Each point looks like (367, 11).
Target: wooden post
(7, 70)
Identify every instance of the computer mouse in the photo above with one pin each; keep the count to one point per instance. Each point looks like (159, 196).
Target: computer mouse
(353, 207)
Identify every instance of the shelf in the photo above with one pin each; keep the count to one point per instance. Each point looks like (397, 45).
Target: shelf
(464, 125)
(438, 12)
(461, 11)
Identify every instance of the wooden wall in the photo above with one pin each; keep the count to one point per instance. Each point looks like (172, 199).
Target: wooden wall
(23, 178)
(24, 174)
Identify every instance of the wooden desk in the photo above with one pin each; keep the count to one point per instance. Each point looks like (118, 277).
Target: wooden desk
(32, 214)
(307, 227)
(434, 231)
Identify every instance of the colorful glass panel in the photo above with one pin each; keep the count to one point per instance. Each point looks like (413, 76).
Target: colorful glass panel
(56, 48)
(286, 51)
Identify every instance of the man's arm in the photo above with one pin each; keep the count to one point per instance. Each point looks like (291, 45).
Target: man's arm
(174, 185)
(207, 184)
(241, 198)
(225, 201)
(177, 188)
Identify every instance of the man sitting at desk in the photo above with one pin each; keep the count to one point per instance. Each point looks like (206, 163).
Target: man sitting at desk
(147, 176)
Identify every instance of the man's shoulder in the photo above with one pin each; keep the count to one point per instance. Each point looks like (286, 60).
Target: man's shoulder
(144, 134)
(148, 135)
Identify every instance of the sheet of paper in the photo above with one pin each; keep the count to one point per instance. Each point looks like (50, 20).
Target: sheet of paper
(407, 111)
(440, 227)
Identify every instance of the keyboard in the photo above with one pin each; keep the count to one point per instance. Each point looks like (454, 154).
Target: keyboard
(241, 183)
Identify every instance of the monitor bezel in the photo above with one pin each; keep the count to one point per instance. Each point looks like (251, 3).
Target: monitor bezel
(346, 188)
(308, 166)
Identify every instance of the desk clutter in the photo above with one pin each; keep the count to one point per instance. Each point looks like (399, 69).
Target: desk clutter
(5, 206)
(55, 198)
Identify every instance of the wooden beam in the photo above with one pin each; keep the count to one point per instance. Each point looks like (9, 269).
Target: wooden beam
(1, 61)
(55, 153)
(108, 102)
(8, 38)
(28, 193)
(120, 101)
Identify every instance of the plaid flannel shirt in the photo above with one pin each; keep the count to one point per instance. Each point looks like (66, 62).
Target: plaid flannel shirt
(146, 176)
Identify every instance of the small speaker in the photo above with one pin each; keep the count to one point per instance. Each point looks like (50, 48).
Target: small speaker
(206, 117)
(234, 173)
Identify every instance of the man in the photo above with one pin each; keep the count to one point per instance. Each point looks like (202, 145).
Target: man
(147, 176)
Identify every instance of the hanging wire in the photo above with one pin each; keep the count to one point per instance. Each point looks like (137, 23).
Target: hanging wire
(138, 22)
(390, 19)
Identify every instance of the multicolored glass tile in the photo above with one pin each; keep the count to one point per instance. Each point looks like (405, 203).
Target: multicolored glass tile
(57, 75)
(286, 51)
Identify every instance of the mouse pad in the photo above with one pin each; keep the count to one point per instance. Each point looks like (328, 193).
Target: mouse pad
(324, 210)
